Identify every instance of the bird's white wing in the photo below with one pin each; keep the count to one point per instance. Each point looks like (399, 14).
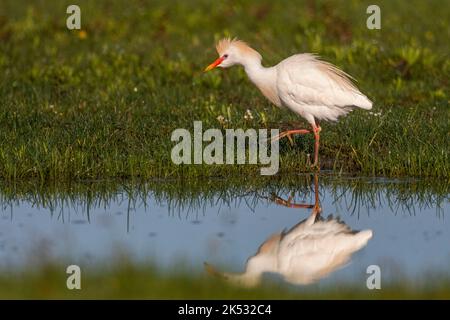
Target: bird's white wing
(305, 82)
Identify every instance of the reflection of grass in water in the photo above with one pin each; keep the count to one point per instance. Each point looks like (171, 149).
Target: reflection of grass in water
(128, 281)
(103, 105)
(192, 196)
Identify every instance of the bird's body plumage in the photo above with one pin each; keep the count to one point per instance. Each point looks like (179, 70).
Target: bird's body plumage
(310, 87)
(314, 88)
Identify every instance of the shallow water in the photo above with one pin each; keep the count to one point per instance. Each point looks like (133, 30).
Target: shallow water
(410, 225)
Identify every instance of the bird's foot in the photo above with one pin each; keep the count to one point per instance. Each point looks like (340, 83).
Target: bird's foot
(315, 166)
(289, 134)
(316, 209)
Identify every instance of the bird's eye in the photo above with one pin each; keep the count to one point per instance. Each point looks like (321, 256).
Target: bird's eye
(225, 56)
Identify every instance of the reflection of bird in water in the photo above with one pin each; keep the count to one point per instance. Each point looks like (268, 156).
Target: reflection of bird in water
(307, 252)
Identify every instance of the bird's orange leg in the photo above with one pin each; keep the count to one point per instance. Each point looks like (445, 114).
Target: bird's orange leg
(288, 203)
(316, 209)
(316, 130)
(289, 134)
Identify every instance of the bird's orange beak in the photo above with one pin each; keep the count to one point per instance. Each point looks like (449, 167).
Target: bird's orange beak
(214, 64)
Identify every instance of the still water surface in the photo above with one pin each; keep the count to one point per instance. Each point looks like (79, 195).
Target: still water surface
(410, 228)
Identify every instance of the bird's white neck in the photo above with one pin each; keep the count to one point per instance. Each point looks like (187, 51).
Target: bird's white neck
(264, 78)
(255, 70)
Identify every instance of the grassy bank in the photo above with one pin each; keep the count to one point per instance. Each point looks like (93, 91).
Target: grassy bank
(128, 281)
(103, 102)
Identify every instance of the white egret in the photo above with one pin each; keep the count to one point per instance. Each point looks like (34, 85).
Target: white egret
(312, 88)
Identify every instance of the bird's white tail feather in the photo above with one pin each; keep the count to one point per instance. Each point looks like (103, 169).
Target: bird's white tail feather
(361, 101)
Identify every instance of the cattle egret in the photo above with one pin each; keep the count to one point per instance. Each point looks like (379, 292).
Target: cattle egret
(312, 88)
(308, 252)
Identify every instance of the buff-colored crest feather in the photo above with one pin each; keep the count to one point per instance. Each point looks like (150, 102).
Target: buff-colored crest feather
(224, 44)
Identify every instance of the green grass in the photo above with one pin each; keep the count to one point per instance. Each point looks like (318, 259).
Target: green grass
(103, 103)
(125, 281)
